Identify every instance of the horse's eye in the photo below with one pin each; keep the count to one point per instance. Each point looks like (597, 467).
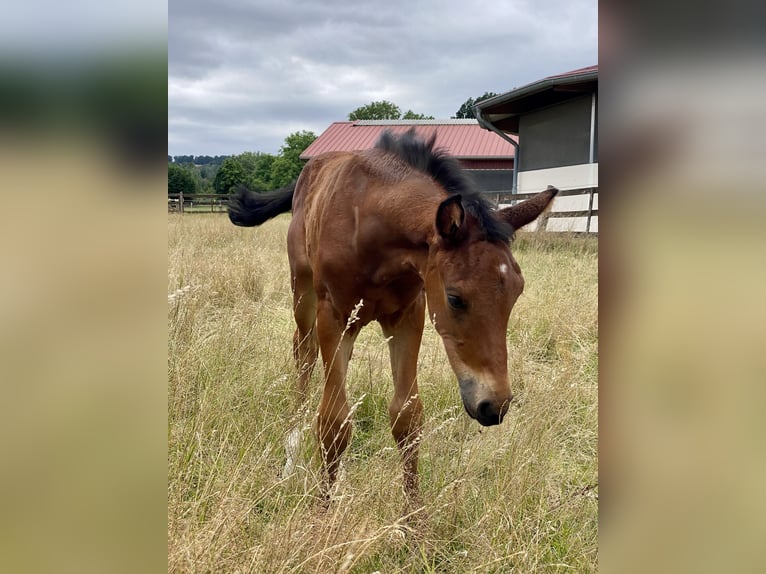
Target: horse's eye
(455, 301)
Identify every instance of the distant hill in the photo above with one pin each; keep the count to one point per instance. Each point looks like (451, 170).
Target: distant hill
(197, 159)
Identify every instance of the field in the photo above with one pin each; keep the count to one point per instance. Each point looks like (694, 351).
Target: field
(518, 497)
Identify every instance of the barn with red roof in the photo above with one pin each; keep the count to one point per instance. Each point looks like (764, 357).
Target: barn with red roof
(487, 158)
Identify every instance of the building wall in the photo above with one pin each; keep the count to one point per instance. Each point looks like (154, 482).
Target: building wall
(556, 136)
(489, 174)
(506, 164)
(487, 180)
(582, 176)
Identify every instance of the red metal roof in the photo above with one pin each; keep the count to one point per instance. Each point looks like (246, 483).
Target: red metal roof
(463, 139)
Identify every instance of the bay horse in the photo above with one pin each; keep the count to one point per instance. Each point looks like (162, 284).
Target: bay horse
(377, 235)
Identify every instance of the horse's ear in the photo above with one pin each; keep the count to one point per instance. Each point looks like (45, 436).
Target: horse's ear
(527, 211)
(450, 218)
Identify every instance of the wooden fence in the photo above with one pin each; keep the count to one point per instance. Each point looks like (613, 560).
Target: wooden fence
(198, 202)
(213, 202)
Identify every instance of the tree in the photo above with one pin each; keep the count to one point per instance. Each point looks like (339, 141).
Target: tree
(295, 144)
(180, 180)
(253, 170)
(382, 110)
(260, 174)
(207, 174)
(184, 159)
(288, 165)
(229, 175)
(410, 115)
(261, 171)
(466, 110)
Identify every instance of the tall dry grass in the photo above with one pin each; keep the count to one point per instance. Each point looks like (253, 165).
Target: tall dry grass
(519, 497)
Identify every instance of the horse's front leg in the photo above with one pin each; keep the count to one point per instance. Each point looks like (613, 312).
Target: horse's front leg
(405, 332)
(336, 341)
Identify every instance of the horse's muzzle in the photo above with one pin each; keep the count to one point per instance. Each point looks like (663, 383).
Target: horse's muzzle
(486, 412)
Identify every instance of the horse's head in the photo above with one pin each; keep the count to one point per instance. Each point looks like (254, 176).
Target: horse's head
(472, 284)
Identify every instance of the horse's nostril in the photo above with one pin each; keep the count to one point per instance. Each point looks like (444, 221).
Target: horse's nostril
(485, 410)
(488, 415)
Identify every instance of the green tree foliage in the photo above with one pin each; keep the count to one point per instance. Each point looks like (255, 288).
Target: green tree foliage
(230, 174)
(207, 175)
(209, 159)
(288, 165)
(202, 167)
(295, 144)
(466, 110)
(283, 172)
(198, 159)
(181, 180)
(410, 115)
(261, 171)
(383, 110)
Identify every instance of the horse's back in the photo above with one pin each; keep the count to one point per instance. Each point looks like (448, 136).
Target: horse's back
(319, 205)
(346, 210)
(328, 197)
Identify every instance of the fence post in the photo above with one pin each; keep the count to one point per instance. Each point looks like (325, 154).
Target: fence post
(181, 202)
(590, 211)
(542, 221)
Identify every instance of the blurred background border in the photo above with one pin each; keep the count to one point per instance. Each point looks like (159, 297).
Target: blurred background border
(83, 251)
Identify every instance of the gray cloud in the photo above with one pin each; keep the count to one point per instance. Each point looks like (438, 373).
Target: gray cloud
(243, 75)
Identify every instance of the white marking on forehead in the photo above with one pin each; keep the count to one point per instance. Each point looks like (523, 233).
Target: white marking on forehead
(503, 268)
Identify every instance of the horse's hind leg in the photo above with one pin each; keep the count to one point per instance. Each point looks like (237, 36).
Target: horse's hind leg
(336, 341)
(305, 350)
(305, 347)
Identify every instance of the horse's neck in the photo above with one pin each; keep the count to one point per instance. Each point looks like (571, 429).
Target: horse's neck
(417, 227)
(415, 223)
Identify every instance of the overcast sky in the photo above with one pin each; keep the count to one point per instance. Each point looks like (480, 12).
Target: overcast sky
(242, 75)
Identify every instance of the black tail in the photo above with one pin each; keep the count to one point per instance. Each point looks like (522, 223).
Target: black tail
(248, 208)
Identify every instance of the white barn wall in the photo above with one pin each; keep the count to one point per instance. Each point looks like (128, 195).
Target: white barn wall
(580, 176)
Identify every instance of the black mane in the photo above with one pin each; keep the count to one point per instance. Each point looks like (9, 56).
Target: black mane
(446, 170)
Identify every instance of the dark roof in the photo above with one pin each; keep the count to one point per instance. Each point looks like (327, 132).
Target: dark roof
(462, 139)
(503, 111)
(574, 73)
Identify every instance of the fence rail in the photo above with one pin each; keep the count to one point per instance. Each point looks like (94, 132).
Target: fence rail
(216, 202)
(180, 202)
